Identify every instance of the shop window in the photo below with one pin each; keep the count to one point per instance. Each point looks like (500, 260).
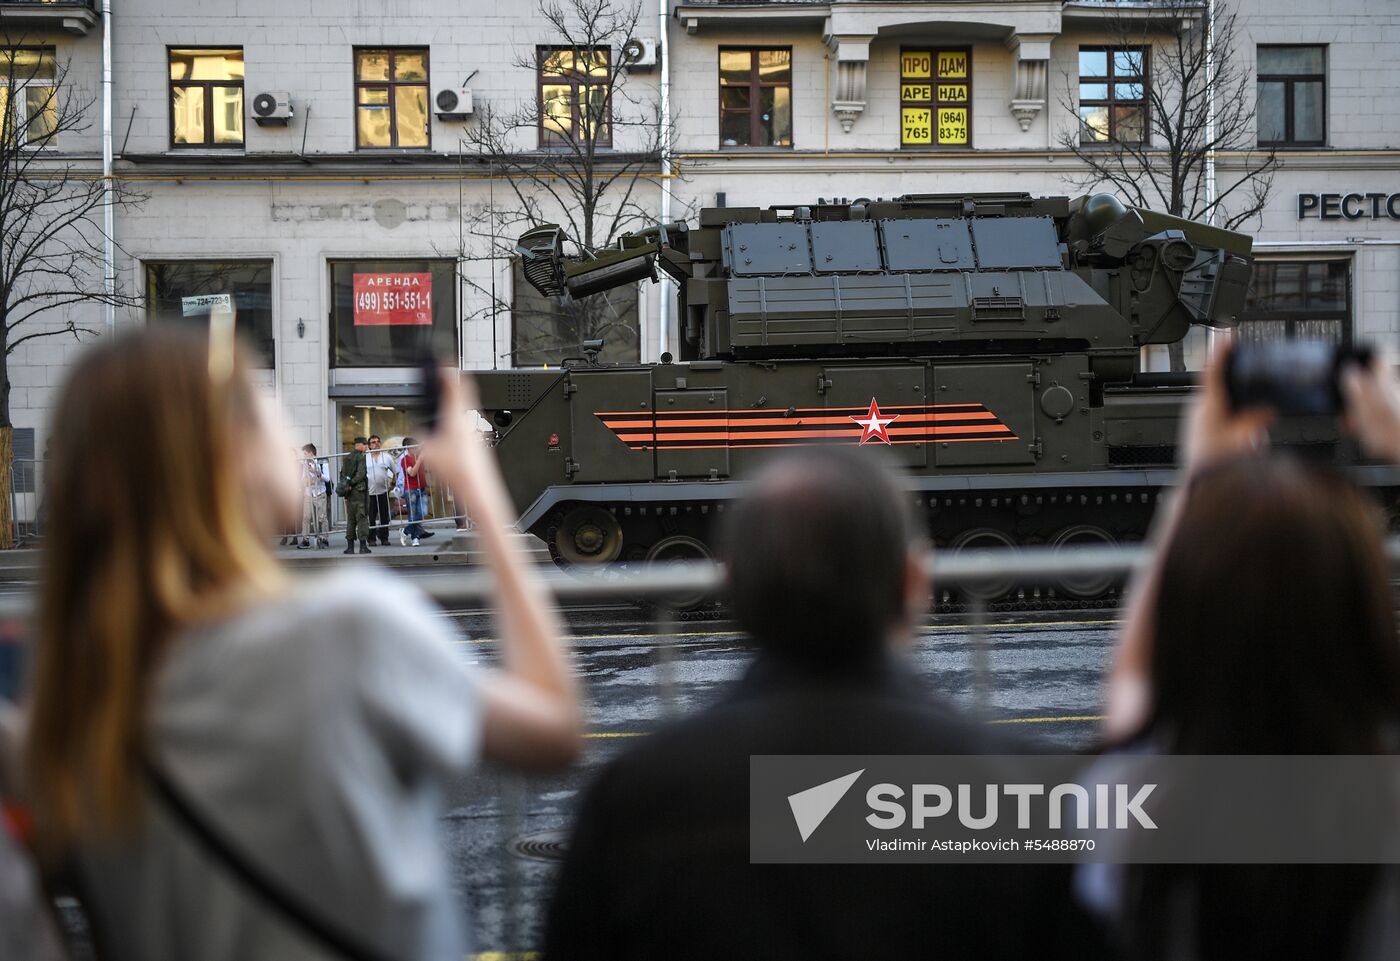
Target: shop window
(206, 97)
(1113, 94)
(392, 313)
(935, 97)
(543, 331)
(755, 98)
(174, 286)
(575, 96)
(1292, 105)
(1309, 300)
(391, 98)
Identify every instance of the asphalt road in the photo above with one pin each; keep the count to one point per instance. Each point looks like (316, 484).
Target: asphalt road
(1041, 674)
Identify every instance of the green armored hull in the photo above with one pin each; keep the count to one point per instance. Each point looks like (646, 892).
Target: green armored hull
(985, 344)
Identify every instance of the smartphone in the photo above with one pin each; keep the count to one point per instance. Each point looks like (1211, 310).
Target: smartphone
(1291, 376)
(430, 384)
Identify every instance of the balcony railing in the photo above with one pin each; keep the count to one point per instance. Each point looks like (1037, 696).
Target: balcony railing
(74, 16)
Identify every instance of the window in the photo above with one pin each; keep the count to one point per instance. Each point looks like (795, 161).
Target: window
(543, 331)
(206, 97)
(1112, 94)
(29, 97)
(391, 99)
(1292, 107)
(935, 97)
(169, 282)
(575, 96)
(1296, 298)
(392, 313)
(755, 98)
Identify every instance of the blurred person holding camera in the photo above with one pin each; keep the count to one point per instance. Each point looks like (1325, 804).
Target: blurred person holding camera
(1263, 626)
(224, 761)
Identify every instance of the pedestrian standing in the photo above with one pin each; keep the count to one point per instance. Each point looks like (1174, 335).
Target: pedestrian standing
(316, 478)
(353, 487)
(415, 488)
(379, 470)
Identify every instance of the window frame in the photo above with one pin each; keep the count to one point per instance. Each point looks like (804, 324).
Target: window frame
(208, 88)
(1289, 80)
(265, 349)
(1111, 80)
(553, 139)
(22, 138)
(935, 103)
(755, 86)
(1290, 317)
(392, 84)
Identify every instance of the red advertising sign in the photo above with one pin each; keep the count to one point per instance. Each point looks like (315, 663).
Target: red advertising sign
(392, 300)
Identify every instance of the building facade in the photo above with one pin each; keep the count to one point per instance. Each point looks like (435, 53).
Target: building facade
(323, 164)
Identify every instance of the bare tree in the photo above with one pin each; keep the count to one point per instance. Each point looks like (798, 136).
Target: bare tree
(580, 155)
(51, 220)
(1199, 100)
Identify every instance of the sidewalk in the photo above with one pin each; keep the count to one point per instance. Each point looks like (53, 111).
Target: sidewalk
(449, 548)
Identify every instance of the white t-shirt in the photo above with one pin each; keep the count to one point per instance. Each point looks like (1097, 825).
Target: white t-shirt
(316, 733)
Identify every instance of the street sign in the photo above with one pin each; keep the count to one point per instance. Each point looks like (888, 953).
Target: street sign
(207, 304)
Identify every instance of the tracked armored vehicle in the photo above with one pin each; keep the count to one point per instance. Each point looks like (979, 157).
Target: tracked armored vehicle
(987, 344)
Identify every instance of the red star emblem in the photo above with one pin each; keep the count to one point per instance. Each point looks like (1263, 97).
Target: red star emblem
(874, 424)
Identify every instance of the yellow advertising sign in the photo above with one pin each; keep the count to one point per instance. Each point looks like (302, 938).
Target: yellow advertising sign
(952, 125)
(956, 92)
(952, 64)
(916, 125)
(916, 64)
(916, 91)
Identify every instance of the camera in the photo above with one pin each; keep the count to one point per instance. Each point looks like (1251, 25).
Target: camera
(1298, 377)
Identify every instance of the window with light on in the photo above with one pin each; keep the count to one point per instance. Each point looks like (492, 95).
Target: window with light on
(935, 97)
(206, 97)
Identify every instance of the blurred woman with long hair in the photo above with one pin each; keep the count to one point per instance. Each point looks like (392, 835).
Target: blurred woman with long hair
(1264, 626)
(310, 726)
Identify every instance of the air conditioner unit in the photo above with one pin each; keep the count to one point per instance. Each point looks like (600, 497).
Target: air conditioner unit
(640, 53)
(454, 104)
(272, 108)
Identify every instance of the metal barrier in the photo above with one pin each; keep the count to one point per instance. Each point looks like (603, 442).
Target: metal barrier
(27, 507)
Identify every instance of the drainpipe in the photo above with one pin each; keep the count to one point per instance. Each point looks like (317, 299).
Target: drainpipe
(109, 252)
(663, 313)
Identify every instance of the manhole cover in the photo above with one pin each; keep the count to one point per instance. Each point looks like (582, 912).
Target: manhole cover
(544, 846)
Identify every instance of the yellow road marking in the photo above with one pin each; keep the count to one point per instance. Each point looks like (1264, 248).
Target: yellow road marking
(616, 734)
(924, 632)
(504, 956)
(1047, 720)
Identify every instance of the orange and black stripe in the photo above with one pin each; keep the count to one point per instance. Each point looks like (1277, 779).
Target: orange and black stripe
(707, 429)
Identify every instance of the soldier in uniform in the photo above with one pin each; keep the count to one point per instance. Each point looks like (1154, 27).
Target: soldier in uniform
(354, 488)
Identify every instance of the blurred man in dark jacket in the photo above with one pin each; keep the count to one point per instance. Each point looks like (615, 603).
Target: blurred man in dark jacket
(824, 570)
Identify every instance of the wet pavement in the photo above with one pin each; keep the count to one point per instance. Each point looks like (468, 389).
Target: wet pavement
(1042, 677)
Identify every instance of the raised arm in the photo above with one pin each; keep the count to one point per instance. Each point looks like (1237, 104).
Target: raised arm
(533, 717)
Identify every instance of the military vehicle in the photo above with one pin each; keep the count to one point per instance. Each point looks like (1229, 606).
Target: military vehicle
(988, 344)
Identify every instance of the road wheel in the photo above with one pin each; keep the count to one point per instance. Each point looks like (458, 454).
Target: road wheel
(986, 540)
(1084, 586)
(588, 536)
(679, 549)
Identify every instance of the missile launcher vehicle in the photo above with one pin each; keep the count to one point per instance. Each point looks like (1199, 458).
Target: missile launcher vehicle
(987, 344)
